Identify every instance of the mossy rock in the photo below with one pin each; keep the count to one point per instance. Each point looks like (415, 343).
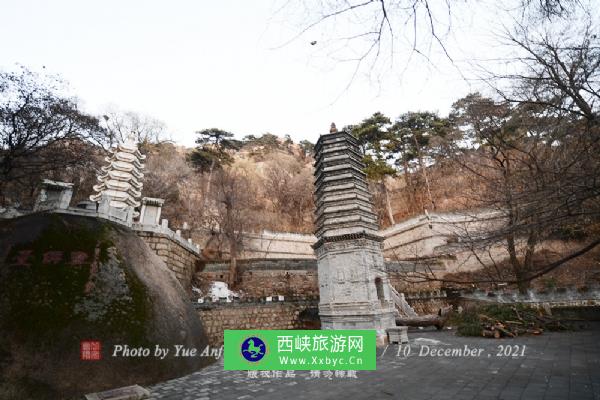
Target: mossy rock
(66, 279)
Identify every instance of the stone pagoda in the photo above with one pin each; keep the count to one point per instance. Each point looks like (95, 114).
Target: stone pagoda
(353, 284)
(121, 179)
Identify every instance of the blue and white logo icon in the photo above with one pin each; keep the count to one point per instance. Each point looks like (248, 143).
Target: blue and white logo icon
(253, 349)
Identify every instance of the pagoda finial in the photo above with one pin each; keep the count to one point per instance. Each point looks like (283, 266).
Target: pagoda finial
(333, 128)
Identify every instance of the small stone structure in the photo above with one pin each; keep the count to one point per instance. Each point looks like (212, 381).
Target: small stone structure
(353, 284)
(151, 210)
(53, 195)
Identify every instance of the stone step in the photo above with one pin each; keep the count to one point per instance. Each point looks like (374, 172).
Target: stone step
(134, 392)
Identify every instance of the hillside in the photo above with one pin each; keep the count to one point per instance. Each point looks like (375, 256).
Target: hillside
(282, 186)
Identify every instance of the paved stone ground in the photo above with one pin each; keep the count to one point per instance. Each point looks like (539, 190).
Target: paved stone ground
(554, 366)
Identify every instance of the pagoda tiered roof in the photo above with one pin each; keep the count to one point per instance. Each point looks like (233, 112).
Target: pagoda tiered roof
(343, 201)
(121, 179)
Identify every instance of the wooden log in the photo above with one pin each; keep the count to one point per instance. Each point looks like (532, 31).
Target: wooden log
(504, 331)
(534, 331)
(487, 333)
(422, 320)
(485, 317)
(517, 313)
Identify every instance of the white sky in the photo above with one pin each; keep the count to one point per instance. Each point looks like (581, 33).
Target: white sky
(201, 64)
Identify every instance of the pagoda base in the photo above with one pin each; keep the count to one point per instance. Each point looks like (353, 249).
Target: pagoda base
(358, 316)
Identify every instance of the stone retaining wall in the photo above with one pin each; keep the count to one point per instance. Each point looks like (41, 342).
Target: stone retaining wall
(216, 317)
(298, 278)
(179, 259)
(292, 278)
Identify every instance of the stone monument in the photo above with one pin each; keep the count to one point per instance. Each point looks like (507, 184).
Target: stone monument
(353, 285)
(121, 179)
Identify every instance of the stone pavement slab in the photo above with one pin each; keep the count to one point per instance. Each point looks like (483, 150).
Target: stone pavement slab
(563, 365)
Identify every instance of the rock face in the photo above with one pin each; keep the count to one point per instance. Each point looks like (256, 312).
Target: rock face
(67, 279)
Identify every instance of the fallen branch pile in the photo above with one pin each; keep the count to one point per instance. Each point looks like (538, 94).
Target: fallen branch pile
(497, 321)
(528, 322)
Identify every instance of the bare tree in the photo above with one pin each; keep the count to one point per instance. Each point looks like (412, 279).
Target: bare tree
(234, 198)
(168, 175)
(42, 131)
(537, 175)
(372, 33)
(533, 155)
(287, 185)
(146, 129)
(558, 70)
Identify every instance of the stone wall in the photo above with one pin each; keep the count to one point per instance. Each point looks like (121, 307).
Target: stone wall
(298, 279)
(216, 317)
(428, 305)
(418, 237)
(292, 278)
(278, 245)
(180, 259)
(437, 241)
(434, 239)
(431, 238)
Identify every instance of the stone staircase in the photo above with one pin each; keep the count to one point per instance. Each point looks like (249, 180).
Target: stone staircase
(402, 307)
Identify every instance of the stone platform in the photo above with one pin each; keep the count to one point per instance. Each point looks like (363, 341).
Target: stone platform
(554, 366)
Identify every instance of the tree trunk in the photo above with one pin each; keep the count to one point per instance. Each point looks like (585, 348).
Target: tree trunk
(520, 274)
(409, 185)
(233, 272)
(522, 282)
(388, 204)
(531, 244)
(424, 172)
(207, 187)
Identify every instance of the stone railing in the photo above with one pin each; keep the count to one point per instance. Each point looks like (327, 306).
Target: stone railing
(559, 296)
(164, 230)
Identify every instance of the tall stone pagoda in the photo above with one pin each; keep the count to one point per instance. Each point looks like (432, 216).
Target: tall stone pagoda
(353, 284)
(121, 179)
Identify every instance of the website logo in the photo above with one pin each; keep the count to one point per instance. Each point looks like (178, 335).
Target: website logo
(253, 349)
(296, 350)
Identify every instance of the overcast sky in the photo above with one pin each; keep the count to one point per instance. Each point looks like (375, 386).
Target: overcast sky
(201, 64)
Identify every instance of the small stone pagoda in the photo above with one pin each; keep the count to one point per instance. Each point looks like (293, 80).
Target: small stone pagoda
(121, 179)
(353, 284)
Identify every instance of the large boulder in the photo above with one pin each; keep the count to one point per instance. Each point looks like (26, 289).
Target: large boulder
(65, 280)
